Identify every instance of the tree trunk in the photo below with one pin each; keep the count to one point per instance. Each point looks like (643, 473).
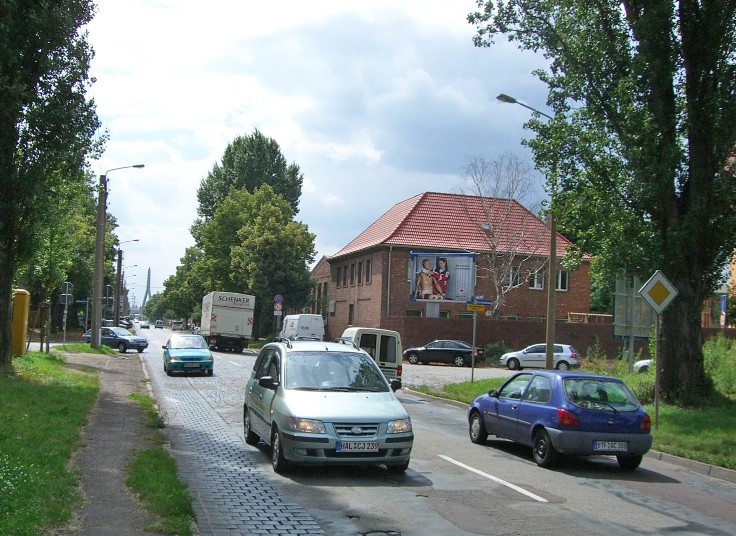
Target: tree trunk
(6, 311)
(682, 372)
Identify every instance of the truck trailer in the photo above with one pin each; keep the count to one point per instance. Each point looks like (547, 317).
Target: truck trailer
(227, 320)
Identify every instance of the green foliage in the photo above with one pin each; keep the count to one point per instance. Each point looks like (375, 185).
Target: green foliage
(43, 406)
(720, 364)
(493, 352)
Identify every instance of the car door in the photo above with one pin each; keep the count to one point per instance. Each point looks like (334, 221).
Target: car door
(260, 397)
(534, 407)
(535, 356)
(507, 402)
(437, 352)
(108, 338)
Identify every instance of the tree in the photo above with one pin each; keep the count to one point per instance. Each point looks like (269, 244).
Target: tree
(508, 261)
(47, 125)
(644, 95)
(249, 162)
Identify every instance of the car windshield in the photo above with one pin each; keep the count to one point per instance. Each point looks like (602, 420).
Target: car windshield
(121, 332)
(333, 371)
(600, 393)
(181, 342)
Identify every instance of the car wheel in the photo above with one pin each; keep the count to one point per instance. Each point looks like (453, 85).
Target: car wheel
(251, 438)
(210, 372)
(562, 365)
(544, 453)
(122, 348)
(477, 430)
(140, 350)
(643, 369)
(413, 359)
(398, 468)
(280, 464)
(629, 463)
(458, 361)
(513, 364)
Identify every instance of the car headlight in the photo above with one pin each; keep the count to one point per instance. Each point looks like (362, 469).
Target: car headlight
(311, 426)
(399, 427)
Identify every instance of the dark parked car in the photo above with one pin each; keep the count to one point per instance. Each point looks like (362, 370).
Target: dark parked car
(458, 353)
(119, 338)
(559, 413)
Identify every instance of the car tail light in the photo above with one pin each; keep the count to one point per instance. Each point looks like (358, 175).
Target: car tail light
(574, 356)
(399, 371)
(475, 351)
(646, 423)
(567, 417)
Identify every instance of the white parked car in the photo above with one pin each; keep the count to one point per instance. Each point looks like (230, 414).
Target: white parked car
(535, 356)
(642, 365)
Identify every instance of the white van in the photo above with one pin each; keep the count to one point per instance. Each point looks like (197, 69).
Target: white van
(383, 345)
(311, 326)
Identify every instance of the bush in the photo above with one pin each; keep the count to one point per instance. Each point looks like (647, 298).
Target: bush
(493, 352)
(719, 355)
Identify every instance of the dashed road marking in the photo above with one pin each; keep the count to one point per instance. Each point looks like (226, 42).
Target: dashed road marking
(495, 479)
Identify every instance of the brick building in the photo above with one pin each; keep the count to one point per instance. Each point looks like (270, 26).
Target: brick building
(370, 282)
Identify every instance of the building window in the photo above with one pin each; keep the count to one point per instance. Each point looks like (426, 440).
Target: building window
(368, 271)
(344, 276)
(351, 314)
(339, 272)
(562, 279)
(465, 314)
(413, 312)
(360, 273)
(513, 280)
(536, 279)
(352, 275)
(444, 314)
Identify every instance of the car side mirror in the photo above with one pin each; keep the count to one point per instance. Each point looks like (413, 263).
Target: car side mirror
(165, 347)
(493, 393)
(395, 384)
(267, 382)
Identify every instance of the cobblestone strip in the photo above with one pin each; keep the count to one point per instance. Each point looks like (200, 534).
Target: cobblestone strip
(231, 495)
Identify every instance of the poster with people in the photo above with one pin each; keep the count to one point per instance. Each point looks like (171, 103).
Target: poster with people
(441, 276)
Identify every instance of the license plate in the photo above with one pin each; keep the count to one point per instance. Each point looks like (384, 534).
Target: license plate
(356, 446)
(191, 365)
(616, 446)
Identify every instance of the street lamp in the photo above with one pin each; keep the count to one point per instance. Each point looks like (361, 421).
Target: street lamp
(118, 279)
(552, 278)
(100, 256)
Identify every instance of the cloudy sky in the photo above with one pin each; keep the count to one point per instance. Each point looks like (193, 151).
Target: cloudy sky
(376, 101)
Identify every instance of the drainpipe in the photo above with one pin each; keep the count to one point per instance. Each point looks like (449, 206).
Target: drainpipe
(388, 285)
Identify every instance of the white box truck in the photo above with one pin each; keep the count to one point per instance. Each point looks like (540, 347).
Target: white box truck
(303, 326)
(383, 345)
(227, 320)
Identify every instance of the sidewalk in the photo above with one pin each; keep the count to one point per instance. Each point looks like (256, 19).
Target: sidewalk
(116, 429)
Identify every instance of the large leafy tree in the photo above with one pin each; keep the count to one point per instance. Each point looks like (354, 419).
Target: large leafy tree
(47, 125)
(644, 95)
(249, 162)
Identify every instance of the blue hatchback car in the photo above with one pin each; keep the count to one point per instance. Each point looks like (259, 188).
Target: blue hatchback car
(187, 353)
(568, 413)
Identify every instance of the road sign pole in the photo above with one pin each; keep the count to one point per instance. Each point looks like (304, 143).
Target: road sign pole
(656, 373)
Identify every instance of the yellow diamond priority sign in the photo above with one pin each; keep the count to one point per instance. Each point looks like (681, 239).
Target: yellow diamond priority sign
(658, 292)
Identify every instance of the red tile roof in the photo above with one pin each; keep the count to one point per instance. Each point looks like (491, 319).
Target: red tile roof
(441, 221)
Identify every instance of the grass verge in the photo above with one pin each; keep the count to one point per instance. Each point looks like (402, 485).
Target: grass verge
(153, 477)
(43, 406)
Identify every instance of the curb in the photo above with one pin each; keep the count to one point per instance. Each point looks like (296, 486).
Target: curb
(713, 471)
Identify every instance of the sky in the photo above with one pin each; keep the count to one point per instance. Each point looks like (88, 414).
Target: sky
(376, 101)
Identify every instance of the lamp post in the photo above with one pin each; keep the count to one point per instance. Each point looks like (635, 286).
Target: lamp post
(552, 276)
(100, 257)
(119, 279)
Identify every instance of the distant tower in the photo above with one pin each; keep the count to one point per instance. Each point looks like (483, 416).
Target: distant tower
(148, 290)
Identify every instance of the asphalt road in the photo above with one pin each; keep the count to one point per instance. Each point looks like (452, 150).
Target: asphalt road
(452, 487)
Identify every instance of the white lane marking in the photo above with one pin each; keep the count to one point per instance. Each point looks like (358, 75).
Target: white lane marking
(495, 479)
(234, 363)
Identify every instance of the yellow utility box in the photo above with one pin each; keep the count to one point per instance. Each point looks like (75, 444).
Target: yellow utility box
(19, 329)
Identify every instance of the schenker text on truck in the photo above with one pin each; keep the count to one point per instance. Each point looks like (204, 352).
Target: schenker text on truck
(227, 320)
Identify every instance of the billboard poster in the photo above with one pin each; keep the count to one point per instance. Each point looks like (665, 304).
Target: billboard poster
(441, 276)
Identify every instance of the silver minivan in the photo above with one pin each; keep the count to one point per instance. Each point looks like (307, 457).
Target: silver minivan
(325, 403)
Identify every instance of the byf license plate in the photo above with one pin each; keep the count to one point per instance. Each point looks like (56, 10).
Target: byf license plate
(191, 365)
(356, 446)
(615, 446)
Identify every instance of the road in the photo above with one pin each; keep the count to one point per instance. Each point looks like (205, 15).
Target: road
(452, 487)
